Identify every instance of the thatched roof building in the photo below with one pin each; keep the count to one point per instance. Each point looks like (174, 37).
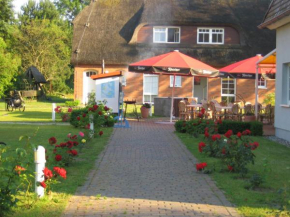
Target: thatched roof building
(107, 29)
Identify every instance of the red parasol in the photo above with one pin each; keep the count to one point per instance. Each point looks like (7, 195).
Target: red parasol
(176, 64)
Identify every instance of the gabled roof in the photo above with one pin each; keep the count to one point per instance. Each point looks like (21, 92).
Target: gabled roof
(112, 28)
(33, 72)
(277, 10)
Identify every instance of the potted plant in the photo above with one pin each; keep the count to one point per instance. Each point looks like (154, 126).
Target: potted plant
(249, 116)
(145, 108)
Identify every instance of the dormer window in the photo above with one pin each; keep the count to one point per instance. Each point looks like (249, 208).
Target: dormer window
(210, 36)
(166, 35)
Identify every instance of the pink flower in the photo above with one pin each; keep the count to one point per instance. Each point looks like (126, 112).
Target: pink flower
(81, 134)
(69, 135)
(69, 109)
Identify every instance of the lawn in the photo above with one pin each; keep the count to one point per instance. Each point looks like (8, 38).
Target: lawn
(272, 160)
(35, 111)
(76, 173)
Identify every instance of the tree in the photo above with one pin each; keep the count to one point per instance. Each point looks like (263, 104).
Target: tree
(45, 9)
(47, 46)
(70, 8)
(9, 64)
(6, 18)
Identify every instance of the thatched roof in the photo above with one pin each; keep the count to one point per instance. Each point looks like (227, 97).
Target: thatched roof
(278, 9)
(33, 72)
(113, 26)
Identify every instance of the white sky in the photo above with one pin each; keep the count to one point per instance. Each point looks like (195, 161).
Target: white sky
(18, 3)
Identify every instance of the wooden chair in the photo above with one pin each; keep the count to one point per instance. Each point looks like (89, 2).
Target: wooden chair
(235, 113)
(215, 114)
(183, 113)
(248, 109)
(267, 114)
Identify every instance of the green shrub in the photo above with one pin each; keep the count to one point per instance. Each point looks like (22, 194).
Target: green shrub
(269, 99)
(198, 126)
(180, 126)
(255, 127)
(72, 103)
(99, 120)
(194, 127)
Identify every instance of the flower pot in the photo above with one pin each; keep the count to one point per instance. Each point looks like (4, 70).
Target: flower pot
(249, 118)
(144, 112)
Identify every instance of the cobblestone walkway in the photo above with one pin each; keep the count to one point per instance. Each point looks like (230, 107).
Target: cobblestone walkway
(146, 171)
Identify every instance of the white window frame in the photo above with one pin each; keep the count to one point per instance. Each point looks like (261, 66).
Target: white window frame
(124, 80)
(90, 73)
(178, 81)
(288, 84)
(210, 35)
(235, 88)
(262, 86)
(166, 34)
(147, 93)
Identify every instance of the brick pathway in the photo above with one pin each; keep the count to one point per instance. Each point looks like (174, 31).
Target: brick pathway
(146, 171)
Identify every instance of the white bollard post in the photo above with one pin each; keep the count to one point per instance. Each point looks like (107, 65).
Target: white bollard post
(53, 111)
(39, 160)
(92, 130)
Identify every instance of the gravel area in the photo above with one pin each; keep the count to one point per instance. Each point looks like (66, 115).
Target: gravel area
(279, 140)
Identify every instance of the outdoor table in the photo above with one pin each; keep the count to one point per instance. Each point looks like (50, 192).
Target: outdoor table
(224, 108)
(193, 107)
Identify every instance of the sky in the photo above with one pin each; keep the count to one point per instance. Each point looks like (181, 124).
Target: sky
(18, 3)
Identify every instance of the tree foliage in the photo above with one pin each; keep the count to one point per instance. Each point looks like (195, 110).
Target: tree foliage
(46, 45)
(70, 8)
(45, 9)
(9, 64)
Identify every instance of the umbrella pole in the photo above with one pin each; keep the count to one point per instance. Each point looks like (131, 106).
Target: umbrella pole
(256, 92)
(171, 109)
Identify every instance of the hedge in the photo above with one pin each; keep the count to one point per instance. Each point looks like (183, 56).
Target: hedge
(198, 126)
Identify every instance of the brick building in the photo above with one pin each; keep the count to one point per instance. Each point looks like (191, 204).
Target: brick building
(216, 32)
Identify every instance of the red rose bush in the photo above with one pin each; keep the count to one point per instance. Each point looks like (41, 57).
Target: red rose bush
(236, 151)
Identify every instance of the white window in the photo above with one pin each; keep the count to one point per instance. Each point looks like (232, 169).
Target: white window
(286, 84)
(90, 73)
(150, 88)
(210, 35)
(177, 81)
(262, 83)
(166, 35)
(228, 90)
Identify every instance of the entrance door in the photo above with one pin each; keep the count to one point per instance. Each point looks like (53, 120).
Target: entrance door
(200, 88)
(89, 85)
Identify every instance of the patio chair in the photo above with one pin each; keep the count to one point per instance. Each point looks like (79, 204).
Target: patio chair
(235, 113)
(215, 114)
(248, 109)
(267, 114)
(183, 112)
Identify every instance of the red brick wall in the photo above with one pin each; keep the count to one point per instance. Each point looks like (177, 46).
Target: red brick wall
(244, 87)
(214, 88)
(188, 35)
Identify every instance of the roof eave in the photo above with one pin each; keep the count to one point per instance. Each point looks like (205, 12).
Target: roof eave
(274, 20)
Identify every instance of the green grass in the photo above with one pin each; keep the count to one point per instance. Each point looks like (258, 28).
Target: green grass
(262, 202)
(34, 112)
(76, 173)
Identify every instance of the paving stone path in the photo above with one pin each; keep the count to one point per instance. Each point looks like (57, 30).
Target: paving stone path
(146, 171)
